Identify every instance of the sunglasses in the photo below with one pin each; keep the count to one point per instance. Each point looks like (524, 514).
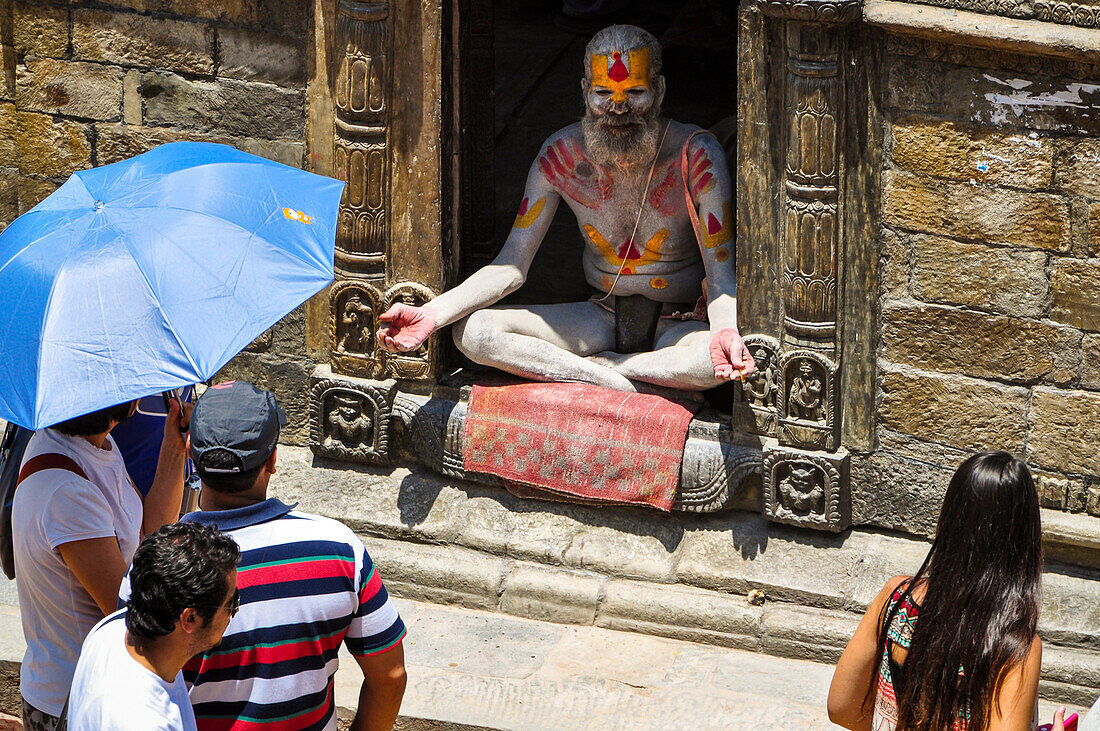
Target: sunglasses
(234, 604)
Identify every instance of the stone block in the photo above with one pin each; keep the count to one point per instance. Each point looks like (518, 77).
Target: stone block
(1074, 673)
(978, 212)
(958, 152)
(254, 56)
(806, 634)
(40, 31)
(544, 535)
(33, 191)
(278, 15)
(225, 106)
(551, 594)
(484, 524)
(130, 39)
(1074, 296)
(439, 574)
(743, 552)
(288, 379)
(957, 411)
(1092, 505)
(895, 265)
(116, 142)
(621, 553)
(1065, 431)
(976, 344)
(1077, 163)
(1006, 280)
(913, 85)
(131, 98)
(9, 196)
(1068, 614)
(41, 146)
(679, 612)
(70, 88)
(901, 484)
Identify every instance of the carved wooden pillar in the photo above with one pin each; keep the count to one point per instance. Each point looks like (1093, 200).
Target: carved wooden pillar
(805, 467)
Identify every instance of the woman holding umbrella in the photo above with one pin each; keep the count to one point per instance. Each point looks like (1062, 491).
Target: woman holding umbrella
(76, 521)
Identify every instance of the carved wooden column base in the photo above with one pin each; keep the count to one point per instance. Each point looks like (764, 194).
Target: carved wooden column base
(806, 488)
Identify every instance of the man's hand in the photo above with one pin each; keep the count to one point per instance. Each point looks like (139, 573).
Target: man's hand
(176, 425)
(730, 357)
(405, 328)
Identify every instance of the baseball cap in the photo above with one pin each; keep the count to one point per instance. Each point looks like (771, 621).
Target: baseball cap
(238, 419)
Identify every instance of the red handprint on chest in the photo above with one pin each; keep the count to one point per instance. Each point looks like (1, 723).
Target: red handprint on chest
(565, 166)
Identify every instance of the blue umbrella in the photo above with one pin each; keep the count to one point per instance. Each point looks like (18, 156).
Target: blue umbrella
(152, 273)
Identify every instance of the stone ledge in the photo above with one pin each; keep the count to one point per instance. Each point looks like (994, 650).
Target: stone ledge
(987, 31)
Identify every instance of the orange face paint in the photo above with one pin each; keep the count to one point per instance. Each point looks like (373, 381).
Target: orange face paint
(612, 73)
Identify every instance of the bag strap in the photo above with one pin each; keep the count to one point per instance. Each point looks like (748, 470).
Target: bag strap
(49, 462)
(696, 226)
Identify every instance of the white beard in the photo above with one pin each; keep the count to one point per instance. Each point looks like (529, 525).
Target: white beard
(634, 145)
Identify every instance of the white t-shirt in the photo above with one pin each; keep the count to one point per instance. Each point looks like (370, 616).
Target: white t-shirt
(112, 690)
(53, 507)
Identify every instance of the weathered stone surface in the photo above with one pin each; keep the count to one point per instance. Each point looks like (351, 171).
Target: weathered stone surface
(901, 484)
(116, 142)
(1052, 489)
(950, 340)
(1070, 675)
(913, 85)
(679, 612)
(993, 215)
(71, 88)
(439, 574)
(1005, 280)
(9, 196)
(1094, 229)
(254, 56)
(544, 535)
(1090, 362)
(40, 146)
(1010, 99)
(1067, 615)
(482, 522)
(33, 191)
(957, 411)
(131, 97)
(278, 15)
(895, 264)
(1092, 506)
(1075, 298)
(882, 558)
(40, 31)
(287, 378)
(743, 552)
(1065, 431)
(621, 553)
(552, 594)
(225, 106)
(140, 40)
(1078, 166)
(804, 633)
(958, 152)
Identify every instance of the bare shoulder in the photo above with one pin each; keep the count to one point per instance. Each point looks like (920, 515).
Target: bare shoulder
(571, 134)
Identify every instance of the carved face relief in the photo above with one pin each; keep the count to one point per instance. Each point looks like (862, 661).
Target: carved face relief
(802, 491)
(348, 422)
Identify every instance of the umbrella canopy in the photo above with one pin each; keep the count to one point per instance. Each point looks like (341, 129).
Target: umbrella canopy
(152, 273)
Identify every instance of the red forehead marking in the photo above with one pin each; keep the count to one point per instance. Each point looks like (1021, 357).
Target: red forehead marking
(618, 71)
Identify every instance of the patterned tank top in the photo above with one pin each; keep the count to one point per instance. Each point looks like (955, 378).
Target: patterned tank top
(900, 633)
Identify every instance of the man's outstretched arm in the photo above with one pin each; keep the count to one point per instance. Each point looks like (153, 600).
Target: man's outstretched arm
(383, 687)
(404, 327)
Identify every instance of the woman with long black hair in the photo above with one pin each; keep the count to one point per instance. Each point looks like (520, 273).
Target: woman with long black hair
(955, 647)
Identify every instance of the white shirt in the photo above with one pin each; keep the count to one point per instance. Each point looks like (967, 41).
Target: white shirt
(112, 690)
(51, 508)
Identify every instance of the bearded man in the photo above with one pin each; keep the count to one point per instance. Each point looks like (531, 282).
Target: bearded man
(625, 173)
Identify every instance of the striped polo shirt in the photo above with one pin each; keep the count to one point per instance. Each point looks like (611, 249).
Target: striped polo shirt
(307, 584)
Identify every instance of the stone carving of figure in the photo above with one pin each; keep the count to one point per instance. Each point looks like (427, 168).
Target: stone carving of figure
(349, 424)
(800, 493)
(355, 323)
(805, 399)
(761, 387)
(619, 171)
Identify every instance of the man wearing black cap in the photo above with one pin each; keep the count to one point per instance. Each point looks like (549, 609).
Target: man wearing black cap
(306, 584)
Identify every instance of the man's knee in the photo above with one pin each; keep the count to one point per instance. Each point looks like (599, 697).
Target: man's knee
(474, 334)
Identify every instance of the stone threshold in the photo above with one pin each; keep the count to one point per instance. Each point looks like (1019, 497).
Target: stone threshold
(679, 576)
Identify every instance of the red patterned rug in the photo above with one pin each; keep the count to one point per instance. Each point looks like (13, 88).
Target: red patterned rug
(579, 440)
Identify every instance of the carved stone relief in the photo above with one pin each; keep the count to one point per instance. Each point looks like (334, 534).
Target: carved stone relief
(756, 409)
(349, 419)
(354, 308)
(807, 489)
(361, 148)
(807, 400)
(424, 361)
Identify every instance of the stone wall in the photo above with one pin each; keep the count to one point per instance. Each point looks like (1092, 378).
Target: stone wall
(89, 86)
(989, 246)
